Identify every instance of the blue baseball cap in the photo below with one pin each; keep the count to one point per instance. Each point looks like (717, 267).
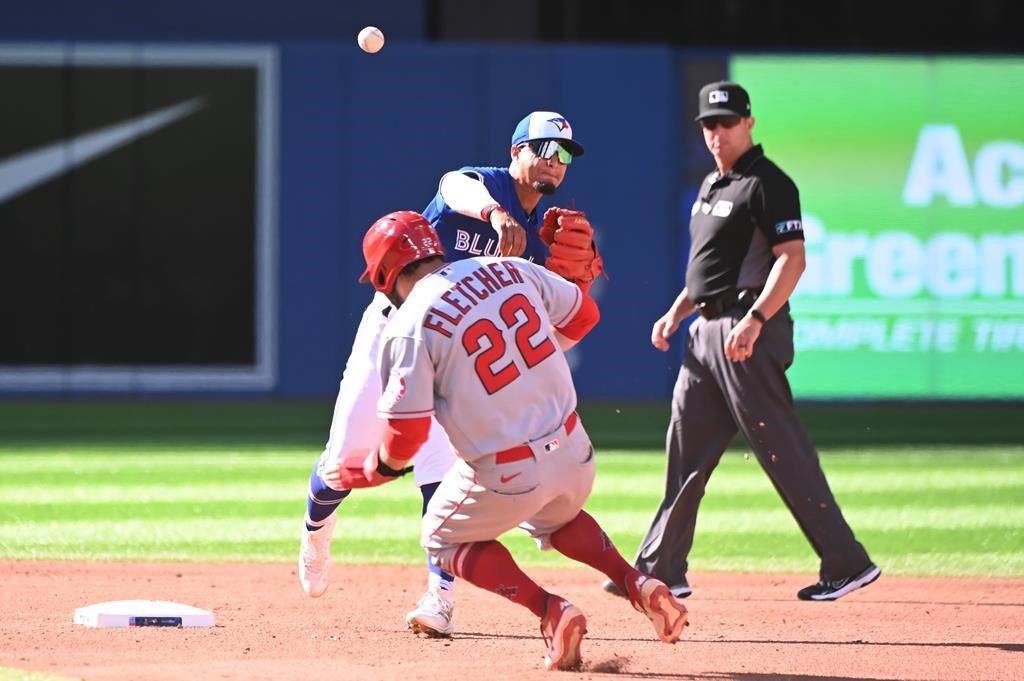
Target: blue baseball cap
(546, 125)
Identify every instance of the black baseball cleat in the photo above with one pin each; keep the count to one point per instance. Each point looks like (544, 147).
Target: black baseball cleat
(832, 590)
(680, 590)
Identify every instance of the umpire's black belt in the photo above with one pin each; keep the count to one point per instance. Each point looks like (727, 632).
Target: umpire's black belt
(742, 298)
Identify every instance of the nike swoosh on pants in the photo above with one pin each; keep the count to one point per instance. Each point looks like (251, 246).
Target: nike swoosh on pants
(27, 170)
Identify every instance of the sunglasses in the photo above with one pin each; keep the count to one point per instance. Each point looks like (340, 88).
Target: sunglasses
(727, 122)
(548, 148)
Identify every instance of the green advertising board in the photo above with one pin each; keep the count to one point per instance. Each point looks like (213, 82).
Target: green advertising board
(911, 178)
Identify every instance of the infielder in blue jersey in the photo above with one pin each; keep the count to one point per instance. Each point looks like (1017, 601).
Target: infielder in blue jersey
(495, 211)
(477, 211)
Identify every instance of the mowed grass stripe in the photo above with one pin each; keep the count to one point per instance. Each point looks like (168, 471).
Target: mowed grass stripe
(898, 457)
(1005, 565)
(173, 456)
(938, 518)
(174, 461)
(617, 472)
(184, 504)
(118, 458)
(713, 553)
(735, 480)
(913, 509)
(200, 531)
(719, 497)
(398, 526)
(729, 490)
(726, 479)
(162, 492)
(215, 510)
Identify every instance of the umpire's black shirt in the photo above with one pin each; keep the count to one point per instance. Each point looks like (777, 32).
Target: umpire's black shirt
(737, 218)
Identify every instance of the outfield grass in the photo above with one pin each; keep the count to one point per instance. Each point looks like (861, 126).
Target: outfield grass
(228, 482)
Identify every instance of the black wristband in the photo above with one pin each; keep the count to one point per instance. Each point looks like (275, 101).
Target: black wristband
(756, 314)
(390, 472)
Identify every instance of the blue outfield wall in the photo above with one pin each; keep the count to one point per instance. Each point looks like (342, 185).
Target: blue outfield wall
(362, 135)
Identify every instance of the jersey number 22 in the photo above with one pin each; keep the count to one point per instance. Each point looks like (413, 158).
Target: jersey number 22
(494, 373)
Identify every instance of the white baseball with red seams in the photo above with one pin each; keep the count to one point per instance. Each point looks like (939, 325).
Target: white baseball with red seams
(370, 39)
(473, 345)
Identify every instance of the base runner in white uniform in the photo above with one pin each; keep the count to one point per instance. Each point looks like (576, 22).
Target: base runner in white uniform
(356, 428)
(479, 343)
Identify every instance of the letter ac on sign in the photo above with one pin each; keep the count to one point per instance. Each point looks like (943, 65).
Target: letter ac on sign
(716, 96)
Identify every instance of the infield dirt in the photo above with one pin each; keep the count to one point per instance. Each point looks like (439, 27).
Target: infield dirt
(744, 627)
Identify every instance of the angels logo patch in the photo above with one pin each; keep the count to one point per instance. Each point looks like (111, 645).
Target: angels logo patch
(394, 391)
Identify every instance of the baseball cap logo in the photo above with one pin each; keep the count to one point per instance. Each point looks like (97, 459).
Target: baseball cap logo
(718, 96)
(561, 124)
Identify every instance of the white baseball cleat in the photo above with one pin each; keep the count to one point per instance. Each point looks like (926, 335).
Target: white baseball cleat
(651, 597)
(432, 616)
(315, 558)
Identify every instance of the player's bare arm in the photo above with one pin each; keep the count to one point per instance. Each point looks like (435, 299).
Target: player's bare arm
(681, 308)
(790, 262)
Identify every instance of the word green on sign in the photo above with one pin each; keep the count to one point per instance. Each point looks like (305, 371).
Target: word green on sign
(912, 191)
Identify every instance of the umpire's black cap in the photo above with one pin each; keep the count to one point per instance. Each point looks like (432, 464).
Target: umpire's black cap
(723, 98)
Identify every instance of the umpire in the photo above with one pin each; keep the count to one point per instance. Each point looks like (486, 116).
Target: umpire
(746, 256)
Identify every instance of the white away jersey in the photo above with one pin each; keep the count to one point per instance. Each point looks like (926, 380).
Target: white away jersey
(473, 344)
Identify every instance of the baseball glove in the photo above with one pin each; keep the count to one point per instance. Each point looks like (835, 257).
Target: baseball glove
(574, 254)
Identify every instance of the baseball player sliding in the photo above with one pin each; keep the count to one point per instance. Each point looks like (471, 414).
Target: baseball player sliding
(479, 344)
(477, 210)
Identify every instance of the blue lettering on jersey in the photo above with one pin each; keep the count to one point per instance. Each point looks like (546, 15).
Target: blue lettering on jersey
(465, 237)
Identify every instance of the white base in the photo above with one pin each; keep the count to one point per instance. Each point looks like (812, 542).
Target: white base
(117, 614)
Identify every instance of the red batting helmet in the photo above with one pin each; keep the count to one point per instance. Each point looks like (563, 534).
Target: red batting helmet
(394, 241)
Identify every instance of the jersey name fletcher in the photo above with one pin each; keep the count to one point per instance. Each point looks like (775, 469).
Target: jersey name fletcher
(470, 291)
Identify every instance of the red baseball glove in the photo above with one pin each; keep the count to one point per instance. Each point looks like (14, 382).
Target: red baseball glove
(574, 254)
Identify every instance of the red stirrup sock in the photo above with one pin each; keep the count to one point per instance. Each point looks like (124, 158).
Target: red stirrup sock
(583, 540)
(489, 565)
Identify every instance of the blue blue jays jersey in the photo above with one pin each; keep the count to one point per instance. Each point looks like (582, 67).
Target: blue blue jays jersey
(466, 237)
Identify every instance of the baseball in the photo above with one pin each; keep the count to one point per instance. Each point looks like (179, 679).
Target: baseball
(370, 39)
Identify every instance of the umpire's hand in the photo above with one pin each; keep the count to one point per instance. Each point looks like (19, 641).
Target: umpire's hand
(739, 344)
(663, 329)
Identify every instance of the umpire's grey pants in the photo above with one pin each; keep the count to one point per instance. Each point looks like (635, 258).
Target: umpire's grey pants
(714, 399)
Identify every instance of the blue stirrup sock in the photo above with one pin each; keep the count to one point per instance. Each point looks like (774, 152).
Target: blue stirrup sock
(322, 500)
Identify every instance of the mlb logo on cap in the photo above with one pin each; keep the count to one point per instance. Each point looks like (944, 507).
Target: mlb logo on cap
(546, 125)
(723, 98)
